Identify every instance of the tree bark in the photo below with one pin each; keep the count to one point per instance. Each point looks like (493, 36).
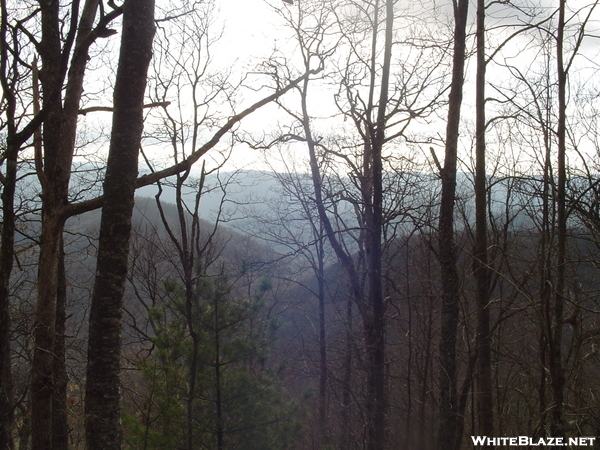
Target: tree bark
(59, 143)
(102, 397)
(374, 322)
(7, 247)
(557, 376)
(323, 376)
(6, 265)
(480, 261)
(449, 420)
(60, 427)
(54, 195)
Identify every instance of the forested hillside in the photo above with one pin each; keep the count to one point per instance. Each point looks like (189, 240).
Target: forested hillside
(299, 224)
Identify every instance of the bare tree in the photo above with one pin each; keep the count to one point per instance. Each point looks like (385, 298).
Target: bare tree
(102, 393)
(380, 105)
(481, 260)
(59, 143)
(450, 431)
(64, 53)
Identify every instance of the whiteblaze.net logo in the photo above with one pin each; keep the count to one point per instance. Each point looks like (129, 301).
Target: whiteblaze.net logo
(526, 441)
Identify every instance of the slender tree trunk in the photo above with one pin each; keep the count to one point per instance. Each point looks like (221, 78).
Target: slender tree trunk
(480, 261)
(449, 420)
(374, 322)
(187, 250)
(424, 388)
(323, 377)
(193, 367)
(555, 355)
(218, 387)
(102, 397)
(545, 259)
(346, 432)
(355, 292)
(370, 304)
(410, 333)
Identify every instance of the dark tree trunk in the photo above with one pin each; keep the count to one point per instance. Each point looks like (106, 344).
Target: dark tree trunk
(370, 304)
(54, 195)
(7, 246)
(345, 441)
(60, 428)
(6, 264)
(374, 320)
(102, 397)
(218, 384)
(480, 261)
(449, 420)
(59, 142)
(323, 377)
(557, 376)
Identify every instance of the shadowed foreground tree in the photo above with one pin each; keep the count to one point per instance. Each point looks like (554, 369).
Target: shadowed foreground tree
(61, 95)
(450, 429)
(102, 390)
(102, 394)
(60, 36)
(481, 269)
(9, 157)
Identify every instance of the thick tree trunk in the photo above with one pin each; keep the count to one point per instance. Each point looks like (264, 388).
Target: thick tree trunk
(6, 264)
(60, 428)
(7, 236)
(59, 143)
(102, 396)
(54, 195)
(43, 360)
(449, 420)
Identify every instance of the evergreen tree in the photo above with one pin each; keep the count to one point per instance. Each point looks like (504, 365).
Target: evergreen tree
(238, 402)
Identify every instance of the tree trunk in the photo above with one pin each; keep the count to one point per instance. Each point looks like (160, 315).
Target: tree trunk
(557, 376)
(7, 246)
(345, 439)
(323, 377)
(218, 384)
(102, 397)
(54, 195)
(374, 322)
(480, 261)
(60, 428)
(59, 144)
(6, 264)
(449, 420)
(370, 304)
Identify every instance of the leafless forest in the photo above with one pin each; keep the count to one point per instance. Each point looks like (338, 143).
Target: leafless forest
(415, 262)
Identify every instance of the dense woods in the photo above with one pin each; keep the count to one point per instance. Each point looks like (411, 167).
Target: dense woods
(415, 263)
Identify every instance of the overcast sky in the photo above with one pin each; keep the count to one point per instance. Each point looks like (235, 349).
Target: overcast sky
(252, 30)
